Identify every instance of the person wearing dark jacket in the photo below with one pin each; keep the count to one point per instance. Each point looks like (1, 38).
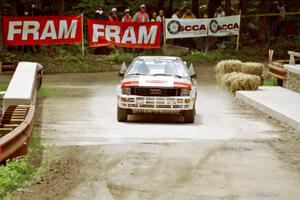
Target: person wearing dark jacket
(26, 11)
(100, 13)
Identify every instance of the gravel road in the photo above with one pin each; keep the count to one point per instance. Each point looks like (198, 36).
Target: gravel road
(228, 153)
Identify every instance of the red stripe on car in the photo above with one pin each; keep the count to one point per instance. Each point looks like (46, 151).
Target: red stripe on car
(182, 85)
(130, 84)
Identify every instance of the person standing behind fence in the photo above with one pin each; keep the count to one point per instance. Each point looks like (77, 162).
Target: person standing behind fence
(27, 12)
(205, 40)
(154, 17)
(36, 11)
(141, 15)
(100, 13)
(113, 16)
(175, 14)
(127, 17)
(161, 18)
(219, 13)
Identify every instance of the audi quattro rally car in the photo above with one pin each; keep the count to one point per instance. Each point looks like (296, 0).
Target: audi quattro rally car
(157, 84)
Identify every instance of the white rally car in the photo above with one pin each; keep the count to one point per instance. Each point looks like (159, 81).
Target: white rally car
(157, 84)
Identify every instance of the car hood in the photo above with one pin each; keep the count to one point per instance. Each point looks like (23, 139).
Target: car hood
(156, 81)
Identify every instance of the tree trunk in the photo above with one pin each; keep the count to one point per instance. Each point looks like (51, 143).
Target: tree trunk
(262, 33)
(58, 7)
(228, 7)
(243, 8)
(170, 9)
(14, 7)
(212, 7)
(195, 8)
(161, 4)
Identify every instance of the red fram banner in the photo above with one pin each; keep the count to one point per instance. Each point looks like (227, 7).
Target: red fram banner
(42, 30)
(131, 35)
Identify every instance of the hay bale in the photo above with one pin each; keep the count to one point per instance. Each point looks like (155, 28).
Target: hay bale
(239, 81)
(228, 66)
(253, 68)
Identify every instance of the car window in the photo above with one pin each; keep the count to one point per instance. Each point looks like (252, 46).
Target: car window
(162, 67)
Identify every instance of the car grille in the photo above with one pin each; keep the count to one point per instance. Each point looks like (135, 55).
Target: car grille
(165, 92)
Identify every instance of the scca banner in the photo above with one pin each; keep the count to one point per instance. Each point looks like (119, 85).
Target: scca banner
(42, 30)
(224, 26)
(185, 28)
(132, 35)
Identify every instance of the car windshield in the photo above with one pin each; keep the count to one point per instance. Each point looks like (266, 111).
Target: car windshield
(158, 67)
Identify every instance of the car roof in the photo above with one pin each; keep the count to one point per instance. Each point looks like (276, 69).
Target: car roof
(157, 58)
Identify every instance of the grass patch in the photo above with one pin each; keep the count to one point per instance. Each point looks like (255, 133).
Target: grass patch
(18, 172)
(46, 91)
(270, 82)
(3, 86)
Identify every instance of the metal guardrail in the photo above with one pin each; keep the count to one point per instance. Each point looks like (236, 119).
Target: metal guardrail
(7, 67)
(279, 72)
(16, 123)
(14, 142)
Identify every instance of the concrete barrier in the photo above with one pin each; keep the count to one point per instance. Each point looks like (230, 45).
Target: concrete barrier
(22, 87)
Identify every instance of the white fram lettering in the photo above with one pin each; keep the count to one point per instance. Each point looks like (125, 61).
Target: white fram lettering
(27, 28)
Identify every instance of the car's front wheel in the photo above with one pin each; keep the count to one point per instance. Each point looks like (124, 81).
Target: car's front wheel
(189, 116)
(122, 114)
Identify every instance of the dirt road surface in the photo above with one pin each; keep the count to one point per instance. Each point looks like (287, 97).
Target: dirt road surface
(227, 154)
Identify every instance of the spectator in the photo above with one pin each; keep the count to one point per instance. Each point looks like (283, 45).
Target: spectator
(27, 12)
(113, 16)
(154, 17)
(160, 17)
(141, 15)
(175, 14)
(100, 13)
(188, 14)
(219, 13)
(281, 17)
(277, 21)
(127, 17)
(35, 11)
(205, 42)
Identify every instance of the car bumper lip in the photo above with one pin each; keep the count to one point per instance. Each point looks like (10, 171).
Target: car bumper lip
(156, 103)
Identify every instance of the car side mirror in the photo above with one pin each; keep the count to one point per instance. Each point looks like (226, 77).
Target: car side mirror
(123, 70)
(192, 71)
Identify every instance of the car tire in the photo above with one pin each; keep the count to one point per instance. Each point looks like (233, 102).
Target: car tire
(189, 116)
(122, 114)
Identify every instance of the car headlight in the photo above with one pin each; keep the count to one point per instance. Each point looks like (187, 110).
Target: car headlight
(185, 92)
(126, 90)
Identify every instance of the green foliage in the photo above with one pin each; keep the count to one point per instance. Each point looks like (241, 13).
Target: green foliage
(3, 86)
(47, 91)
(15, 173)
(270, 82)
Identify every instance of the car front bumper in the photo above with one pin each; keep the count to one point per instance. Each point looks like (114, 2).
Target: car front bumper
(140, 103)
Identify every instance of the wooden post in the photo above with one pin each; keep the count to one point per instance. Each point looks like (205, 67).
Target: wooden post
(82, 33)
(238, 36)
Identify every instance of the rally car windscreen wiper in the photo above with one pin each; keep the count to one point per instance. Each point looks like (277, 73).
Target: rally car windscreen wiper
(139, 74)
(167, 75)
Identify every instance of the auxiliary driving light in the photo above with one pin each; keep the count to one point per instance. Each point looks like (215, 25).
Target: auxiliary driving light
(187, 100)
(185, 92)
(126, 90)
